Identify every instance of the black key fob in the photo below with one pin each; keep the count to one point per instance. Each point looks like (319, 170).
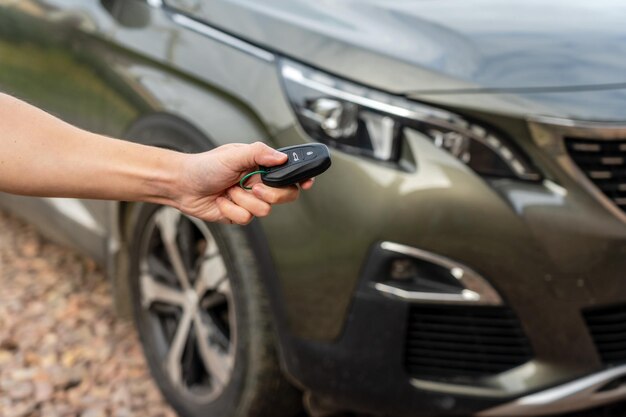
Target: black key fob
(305, 161)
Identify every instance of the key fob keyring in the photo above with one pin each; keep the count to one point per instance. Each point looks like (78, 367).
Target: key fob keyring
(305, 161)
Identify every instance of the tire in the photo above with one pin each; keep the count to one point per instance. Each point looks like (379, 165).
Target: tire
(228, 365)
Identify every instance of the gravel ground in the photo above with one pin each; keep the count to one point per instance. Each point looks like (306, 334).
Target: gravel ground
(62, 351)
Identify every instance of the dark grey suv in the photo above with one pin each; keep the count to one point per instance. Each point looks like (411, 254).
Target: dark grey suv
(465, 254)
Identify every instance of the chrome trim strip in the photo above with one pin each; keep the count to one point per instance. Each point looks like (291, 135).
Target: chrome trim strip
(579, 394)
(579, 124)
(454, 389)
(437, 117)
(219, 36)
(477, 289)
(465, 296)
(549, 133)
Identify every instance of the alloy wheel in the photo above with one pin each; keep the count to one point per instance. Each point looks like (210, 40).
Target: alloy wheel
(186, 295)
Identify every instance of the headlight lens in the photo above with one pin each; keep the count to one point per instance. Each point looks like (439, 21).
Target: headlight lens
(368, 122)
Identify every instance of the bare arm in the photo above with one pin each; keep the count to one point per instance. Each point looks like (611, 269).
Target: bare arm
(41, 155)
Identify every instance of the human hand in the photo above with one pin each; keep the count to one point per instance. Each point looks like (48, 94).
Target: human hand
(209, 184)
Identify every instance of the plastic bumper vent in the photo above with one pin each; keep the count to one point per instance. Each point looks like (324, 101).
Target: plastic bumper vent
(608, 329)
(455, 343)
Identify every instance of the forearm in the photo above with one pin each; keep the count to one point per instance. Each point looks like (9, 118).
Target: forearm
(41, 155)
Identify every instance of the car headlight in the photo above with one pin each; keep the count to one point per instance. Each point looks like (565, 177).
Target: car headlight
(371, 123)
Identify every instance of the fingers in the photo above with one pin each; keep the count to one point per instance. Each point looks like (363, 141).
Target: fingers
(266, 156)
(280, 195)
(273, 195)
(242, 206)
(249, 202)
(233, 212)
(240, 157)
(308, 184)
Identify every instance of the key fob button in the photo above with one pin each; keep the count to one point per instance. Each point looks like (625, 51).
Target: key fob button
(295, 156)
(309, 153)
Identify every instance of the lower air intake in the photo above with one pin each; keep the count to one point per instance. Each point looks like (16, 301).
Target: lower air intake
(463, 342)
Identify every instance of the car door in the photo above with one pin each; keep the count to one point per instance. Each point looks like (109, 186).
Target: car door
(49, 57)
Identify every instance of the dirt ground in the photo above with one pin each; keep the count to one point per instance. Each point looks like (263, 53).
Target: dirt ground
(62, 351)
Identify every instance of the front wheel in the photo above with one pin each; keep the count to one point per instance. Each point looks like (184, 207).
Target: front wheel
(203, 319)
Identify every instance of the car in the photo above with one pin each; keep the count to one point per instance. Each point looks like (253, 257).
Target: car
(464, 254)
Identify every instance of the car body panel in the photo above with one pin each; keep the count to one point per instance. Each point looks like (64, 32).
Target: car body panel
(596, 105)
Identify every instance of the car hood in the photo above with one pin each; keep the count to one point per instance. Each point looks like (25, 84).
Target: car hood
(429, 46)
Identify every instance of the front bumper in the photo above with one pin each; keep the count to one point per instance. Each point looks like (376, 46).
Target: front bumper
(367, 368)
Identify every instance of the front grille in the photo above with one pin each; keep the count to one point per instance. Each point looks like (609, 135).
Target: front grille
(608, 329)
(460, 342)
(604, 163)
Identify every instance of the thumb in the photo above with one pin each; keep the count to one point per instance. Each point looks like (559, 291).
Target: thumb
(258, 153)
